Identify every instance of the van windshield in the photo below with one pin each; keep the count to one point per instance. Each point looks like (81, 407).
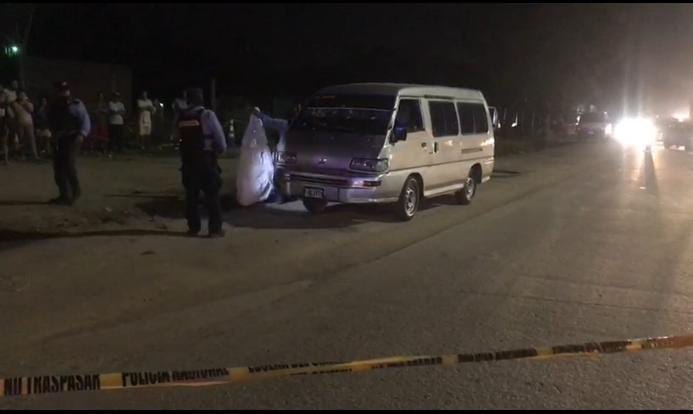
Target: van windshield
(362, 114)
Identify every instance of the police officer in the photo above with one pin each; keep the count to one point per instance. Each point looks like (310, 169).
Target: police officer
(201, 141)
(69, 122)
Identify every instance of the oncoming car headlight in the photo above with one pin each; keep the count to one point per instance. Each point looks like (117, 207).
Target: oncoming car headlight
(636, 131)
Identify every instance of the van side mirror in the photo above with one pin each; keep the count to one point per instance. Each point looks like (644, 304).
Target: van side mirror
(399, 133)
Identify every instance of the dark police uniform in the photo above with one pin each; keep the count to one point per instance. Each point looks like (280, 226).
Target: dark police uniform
(200, 170)
(68, 118)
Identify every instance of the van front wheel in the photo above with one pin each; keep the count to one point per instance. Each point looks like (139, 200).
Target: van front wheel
(466, 194)
(409, 200)
(315, 205)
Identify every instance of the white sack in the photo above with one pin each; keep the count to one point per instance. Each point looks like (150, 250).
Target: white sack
(255, 170)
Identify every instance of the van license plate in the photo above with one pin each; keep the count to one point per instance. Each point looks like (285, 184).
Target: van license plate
(310, 192)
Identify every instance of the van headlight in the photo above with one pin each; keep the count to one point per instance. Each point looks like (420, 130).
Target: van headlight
(365, 164)
(284, 157)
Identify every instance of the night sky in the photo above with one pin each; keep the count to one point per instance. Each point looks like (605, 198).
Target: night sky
(558, 54)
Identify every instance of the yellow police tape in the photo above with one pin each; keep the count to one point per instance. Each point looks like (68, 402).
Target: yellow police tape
(95, 382)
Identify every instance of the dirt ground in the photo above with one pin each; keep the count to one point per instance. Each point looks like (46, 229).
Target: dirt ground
(134, 191)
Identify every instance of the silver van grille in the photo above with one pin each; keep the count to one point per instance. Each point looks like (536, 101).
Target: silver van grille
(338, 182)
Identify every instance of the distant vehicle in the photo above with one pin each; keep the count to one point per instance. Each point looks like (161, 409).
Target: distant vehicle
(594, 124)
(663, 124)
(387, 143)
(678, 134)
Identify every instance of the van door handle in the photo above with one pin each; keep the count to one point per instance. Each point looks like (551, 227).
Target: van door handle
(470, 150)
(435, 147)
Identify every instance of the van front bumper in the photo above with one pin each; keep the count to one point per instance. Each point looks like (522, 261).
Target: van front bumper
(342, 189)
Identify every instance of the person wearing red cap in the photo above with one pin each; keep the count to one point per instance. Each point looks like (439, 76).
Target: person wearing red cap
(69, 121)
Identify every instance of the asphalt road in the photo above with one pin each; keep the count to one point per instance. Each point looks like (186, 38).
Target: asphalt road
(585, 242)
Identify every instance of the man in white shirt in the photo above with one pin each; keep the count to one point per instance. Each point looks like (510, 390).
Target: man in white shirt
(146, 109)
(11, 93)
(10, 116)
(116, 122)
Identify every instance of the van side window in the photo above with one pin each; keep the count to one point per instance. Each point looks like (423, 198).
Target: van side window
(466, 117)
(480, 119)
(443, 119)
(409, 114)
(473, 118)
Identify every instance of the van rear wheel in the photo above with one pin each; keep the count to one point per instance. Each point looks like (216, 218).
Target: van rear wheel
(315, 205)
(467, 193)
(409, 200)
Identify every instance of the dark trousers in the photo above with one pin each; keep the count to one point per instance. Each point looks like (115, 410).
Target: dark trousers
(65, 167)
(206, 179)
(277, 196)
(115, 137)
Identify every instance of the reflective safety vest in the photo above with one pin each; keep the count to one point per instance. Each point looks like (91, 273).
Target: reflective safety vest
(192, 138)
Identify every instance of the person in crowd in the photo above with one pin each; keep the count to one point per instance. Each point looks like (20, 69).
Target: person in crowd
(116, 123)
(43, 133)
(23, 110)
(146, 108)
(178, 105)
(99, 134)
(158, 123)
(11, 120)
(4, 127)
(13, 91)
